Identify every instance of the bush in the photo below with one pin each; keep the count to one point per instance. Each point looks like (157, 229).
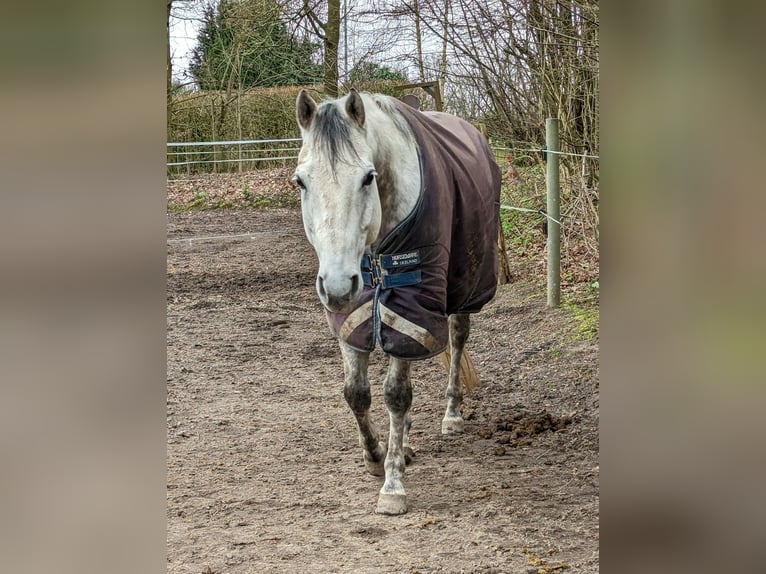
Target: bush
(259, 113)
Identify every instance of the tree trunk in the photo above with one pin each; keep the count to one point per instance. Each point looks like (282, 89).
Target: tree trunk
(331, 41)
(167, 41)
(419, 40)
(445, 31)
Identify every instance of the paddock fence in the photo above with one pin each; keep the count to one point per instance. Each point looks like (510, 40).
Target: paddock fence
(189, 158)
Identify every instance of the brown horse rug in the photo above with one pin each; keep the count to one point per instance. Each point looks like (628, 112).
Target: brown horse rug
(442, 258)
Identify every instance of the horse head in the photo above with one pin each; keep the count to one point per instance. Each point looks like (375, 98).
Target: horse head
(339, 196)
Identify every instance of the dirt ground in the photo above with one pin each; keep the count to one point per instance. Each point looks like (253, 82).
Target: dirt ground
(264, 470)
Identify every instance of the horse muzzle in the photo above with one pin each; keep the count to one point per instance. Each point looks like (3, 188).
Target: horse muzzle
(339, 293)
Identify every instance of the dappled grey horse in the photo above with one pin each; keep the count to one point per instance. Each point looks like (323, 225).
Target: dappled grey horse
(401, 207)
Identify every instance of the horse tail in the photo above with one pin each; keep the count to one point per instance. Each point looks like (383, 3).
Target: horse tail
(469, 377)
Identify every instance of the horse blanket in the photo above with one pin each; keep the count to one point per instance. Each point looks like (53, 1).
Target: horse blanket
(442, 258)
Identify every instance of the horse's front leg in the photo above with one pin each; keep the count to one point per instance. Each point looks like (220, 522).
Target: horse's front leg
(459, 327)
(398, 395)
(357, 393)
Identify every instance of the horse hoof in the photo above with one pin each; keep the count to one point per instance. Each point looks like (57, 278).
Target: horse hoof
(452, 425)
(409, 454)
(391, 504)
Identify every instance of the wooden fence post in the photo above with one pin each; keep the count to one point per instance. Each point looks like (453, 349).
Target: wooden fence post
(552, 208)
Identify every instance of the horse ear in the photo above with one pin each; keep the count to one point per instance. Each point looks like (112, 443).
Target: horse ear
(355, 107)
(305, 109)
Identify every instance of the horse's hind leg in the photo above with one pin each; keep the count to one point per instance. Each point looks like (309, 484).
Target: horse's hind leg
(398, 394)
(459, 327)
(357, 393)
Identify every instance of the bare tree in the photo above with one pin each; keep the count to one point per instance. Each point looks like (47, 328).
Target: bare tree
(512, 63)
(169, 60)
(323, 19)
(445, 42)
(418, 38)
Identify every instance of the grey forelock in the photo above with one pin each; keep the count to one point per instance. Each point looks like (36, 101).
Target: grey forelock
(332, 134)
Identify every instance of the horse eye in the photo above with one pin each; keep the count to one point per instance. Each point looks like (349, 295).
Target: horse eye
(368, 178)
(298, 181)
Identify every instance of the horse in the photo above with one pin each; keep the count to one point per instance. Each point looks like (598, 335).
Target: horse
(401, 208)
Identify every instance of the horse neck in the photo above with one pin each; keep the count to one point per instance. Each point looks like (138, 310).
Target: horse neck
(396, 161)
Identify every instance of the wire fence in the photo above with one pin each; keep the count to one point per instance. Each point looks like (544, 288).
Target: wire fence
(528, 151)
(189, 158)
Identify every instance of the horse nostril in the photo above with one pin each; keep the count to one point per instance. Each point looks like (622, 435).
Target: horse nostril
(320, 286)
(354, 284)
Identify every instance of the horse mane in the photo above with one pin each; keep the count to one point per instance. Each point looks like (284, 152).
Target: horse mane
(387, 106)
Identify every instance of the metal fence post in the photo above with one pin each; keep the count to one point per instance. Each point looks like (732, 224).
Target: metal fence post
(552, 208)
